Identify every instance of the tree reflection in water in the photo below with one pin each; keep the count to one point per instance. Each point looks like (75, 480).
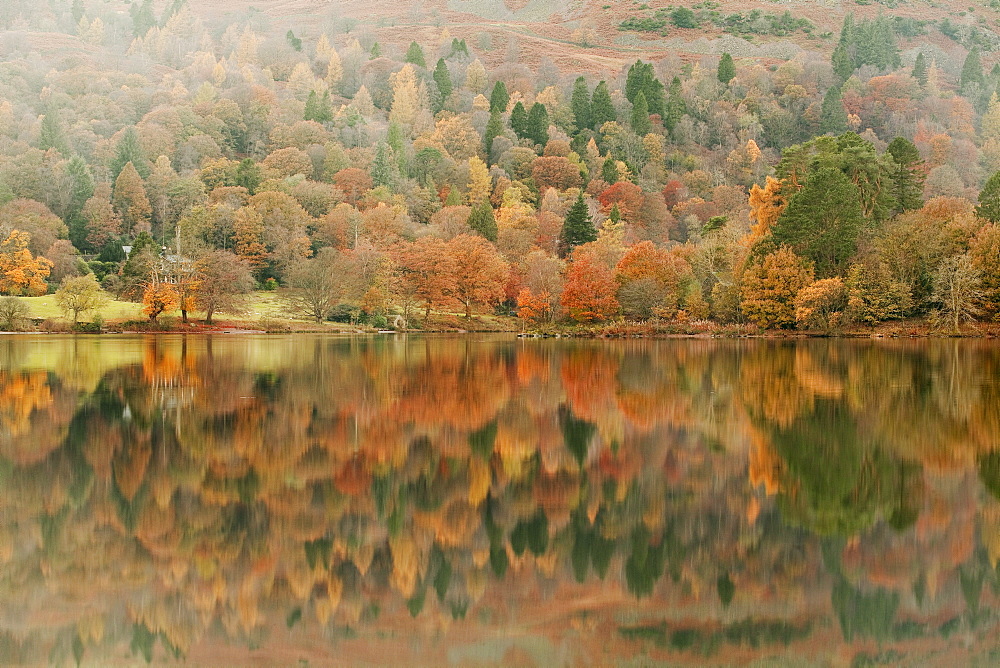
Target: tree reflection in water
(487, 500)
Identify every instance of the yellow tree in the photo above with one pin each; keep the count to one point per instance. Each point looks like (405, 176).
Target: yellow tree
(130, 201)
(480, 184)
(766, 204)
(159, 297)
(769, 288)
(405, 97)
(20, 272)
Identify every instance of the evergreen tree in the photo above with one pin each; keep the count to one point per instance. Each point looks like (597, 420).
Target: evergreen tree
(483, 221)
(129, 150)
(396, 139)
(602, 110)
(833, 117)
(375, 51)
(642, 79)
(52, 135)
(908, 179)
(989, 200)
(77, 10)
(311, 112)
(248, 175)
(578, 227)
(415, 55)
(821, 222)
(843, 64)
(494, 128)
(609, 171)
(580, 104)
(442, 77)
(325, 114)
(293, 41)
(81, 189)
(920, 69)
(538, 124)
(142, 17)
(676, 107)
(640, 115)
(519, 120)
(499, 98)
(383, 165)
(972, 70)
(727, 69)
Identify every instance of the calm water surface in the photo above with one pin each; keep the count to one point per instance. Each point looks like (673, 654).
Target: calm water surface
(464, 501)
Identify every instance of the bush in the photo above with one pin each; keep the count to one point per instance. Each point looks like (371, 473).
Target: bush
(822, 306)
(270, 285)
(682, 17)
(14, 314)
(344, 313)
(379, 321)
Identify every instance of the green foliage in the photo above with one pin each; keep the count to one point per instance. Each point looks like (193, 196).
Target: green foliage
(580, 104)
(415, 55)
(129, 150)
(682, 17)
(483, 221)
(972, 71)
(602, 110)
(989, 199)
(499, 97)
(756, 22)
(142, 17)
(518, 120)
(641, 79)
(871, 42)
(494, 129)
(676, 107)
(908, 178)
(919, 71)
(51, 135)
(293, 41)
(641, 124)
(833, 117)
(537, 129)
(442, 77)
(578, 228)
(318, 108)
(609, 171)
(726, 70)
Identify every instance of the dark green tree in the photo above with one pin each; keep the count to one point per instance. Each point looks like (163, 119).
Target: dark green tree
(142, 17)
(641, 78)
(609, 171)
(383, 169)
(821, 222)
(972, 71)
(81, 189)
(676, 107)
(602, 110)
(578, 228)
(375, 51)
(580, 103)
(908, 178)
(129, 150)
(318, 108)
(989, 200)
(248, 175)
(494, 128)
(727, 69)
(51, 134)
(640, 115)
(293, 41)
(499, 97)
(442, 77)
(415, 55)
(833, 117)
(919, 71)
(538, 124)
(843, 64)
(519, 120)
(483, 221)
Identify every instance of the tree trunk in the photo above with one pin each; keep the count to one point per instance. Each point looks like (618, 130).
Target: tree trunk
(208, 316)
(468, 310)
(184, 316)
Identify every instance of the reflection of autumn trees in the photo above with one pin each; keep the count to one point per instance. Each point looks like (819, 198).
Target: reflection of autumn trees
(243, 484)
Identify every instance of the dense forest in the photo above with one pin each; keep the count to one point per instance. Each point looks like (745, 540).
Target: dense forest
(147, 154)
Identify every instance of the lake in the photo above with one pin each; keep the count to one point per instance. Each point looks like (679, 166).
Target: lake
(312, 500)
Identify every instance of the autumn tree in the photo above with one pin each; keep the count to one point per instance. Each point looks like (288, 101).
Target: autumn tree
(425, 272)
(958, 291)
(79, 294)
(770, 287)
(21, 273)
(989, 200)
(984, 248)
(223, 282)
(555, 172)
(589, 292)
(159, 297)
(130, 201)
(822, 306)
(479, 271)
(318, 284)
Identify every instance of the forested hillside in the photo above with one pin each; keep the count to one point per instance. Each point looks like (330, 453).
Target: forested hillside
(544, 159)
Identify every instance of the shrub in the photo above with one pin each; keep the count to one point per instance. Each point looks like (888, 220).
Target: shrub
(14, 314)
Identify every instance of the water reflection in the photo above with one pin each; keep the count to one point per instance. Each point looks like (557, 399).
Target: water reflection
(468, 500)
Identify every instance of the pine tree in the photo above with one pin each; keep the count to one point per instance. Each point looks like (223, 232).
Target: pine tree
(609, 171)
(989, 200)
(483, 221)
(142, 17)
(908, 179)
(578, 227)
(580, 104)
(519, 120)
(494, 128)
(833, 117)
(676, 107)
(375, 51)
(248, 175)
(640, 115)
(972, 70)
(727, 69)
(499, 98)
(602, 110)
(642, 79)
(415, 55)
(311, 112)
(538, 124)
(442, 77)
(920, 70)
(129, 150)
(81, 190)
(383, 166)
(52, 135)
(843, 64)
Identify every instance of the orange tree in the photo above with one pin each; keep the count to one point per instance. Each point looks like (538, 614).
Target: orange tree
(20, 272)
